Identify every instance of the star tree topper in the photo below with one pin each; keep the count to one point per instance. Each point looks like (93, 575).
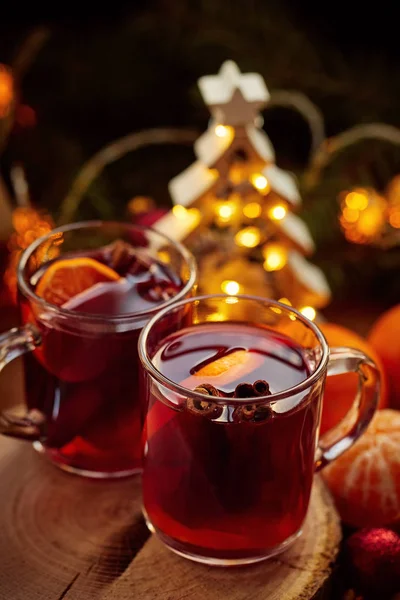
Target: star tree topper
(234, 98)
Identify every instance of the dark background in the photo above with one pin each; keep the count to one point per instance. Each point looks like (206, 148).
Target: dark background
(105, 72)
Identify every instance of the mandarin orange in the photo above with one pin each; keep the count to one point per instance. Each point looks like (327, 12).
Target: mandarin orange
(384, 337)
(340, 390)
(365, 480)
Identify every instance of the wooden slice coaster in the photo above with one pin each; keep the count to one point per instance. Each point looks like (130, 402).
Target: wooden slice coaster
(67, 538)
(62, 536)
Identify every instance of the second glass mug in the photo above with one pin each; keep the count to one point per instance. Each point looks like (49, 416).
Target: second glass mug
(81, 370)
(228, 481)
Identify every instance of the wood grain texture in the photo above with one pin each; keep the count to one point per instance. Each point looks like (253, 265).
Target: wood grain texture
(299, 573)
(66, 538)
(61, 536)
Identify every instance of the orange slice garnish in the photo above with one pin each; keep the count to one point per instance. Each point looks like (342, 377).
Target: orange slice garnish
(66, 278)
(225, 363)
(235, 366)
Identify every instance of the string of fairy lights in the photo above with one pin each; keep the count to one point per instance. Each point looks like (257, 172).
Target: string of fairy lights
(368, 217)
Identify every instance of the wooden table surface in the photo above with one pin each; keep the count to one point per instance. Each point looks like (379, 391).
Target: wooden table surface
(67, 538)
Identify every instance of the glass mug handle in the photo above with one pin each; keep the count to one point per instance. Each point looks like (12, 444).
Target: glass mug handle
(14, 343)
(343, 435)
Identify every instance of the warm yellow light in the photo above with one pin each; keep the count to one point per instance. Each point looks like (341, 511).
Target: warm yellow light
(179, 211)
(357, 200)
(226, 211)
(371, 221)
(260, 182)
(364, 215)
(277, 212)
(252, 210)
(275, 257)
(394, 219)
(350, 215)
(309, 312)
(222, 131)
(249, 237)
(285, 301)
(230, 287)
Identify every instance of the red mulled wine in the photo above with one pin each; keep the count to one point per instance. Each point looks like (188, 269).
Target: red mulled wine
(224, 479)
(85, 380)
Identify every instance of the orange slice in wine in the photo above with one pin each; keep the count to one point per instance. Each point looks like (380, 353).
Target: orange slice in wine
(224, 363)
(66, 278)
(235, 366)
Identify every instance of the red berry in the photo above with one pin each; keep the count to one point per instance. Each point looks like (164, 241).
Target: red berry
(374, 560)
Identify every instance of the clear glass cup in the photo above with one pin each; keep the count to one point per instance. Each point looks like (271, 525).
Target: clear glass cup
(227, 481)
(81, 370)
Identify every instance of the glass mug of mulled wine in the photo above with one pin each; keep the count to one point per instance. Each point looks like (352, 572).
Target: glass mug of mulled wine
(234, 392)
(85, 292)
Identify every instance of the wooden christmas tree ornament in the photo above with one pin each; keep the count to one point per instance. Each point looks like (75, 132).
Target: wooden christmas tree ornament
(235, 203)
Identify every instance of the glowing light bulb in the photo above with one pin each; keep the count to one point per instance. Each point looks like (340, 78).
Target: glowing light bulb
(277, 212)
(309, 312)
(260, 182)
(179, 211)
(249, 237)
(357, 200)
(252, 210)
(275, 257)
(225, 211)
(222, 131)
(230, 287)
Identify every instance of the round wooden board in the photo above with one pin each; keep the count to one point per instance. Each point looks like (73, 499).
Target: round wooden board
(67, 538)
